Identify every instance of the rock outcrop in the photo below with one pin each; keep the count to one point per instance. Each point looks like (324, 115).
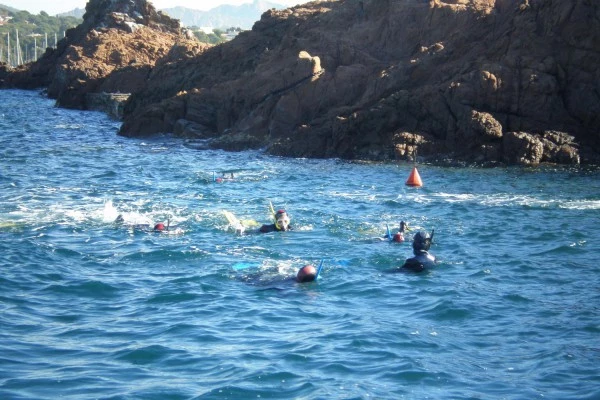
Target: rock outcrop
(113, 50)
(483, 81)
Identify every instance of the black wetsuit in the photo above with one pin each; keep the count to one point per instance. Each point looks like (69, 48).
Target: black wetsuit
(273, 228)
(421, 261)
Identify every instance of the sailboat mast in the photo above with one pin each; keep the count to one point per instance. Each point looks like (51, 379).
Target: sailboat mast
(8, 60)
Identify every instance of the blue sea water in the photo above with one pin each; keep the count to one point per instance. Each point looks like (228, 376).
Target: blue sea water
(90, 309)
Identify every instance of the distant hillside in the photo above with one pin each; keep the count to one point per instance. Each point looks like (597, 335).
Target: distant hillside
(77, 13)
(225, 16)
(7, 8)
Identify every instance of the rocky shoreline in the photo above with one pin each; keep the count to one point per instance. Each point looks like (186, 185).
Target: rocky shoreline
(109, 103)
(483, 82)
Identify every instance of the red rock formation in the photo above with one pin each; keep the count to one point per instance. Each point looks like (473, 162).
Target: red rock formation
(113, 50)
(379, 79)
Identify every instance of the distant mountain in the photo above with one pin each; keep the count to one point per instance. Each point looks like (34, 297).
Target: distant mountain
(77, 13)
(7, 8)
(225, 16)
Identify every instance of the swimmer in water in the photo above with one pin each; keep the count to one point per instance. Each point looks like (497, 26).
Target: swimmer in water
(308, 273)
(159, 227)
(224, 178)
(282, 223)
(399, 236)
(422, 259)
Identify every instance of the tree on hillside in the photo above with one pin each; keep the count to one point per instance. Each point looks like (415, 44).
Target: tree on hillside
(216, 37)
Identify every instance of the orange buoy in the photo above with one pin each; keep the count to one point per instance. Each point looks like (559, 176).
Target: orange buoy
(414, 179)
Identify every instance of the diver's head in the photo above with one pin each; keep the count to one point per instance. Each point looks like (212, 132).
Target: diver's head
(421, 242)
(282, 220)
(159, 227)
(308, 273)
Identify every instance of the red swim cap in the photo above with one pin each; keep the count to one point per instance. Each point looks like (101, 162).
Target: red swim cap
(398, 237)
(280, 212)
(159, 227)
(308, 273)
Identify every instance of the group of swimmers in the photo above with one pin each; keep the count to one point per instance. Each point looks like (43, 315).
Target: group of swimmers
(421, 244)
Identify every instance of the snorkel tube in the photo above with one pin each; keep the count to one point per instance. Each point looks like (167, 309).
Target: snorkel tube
(319, 270)
(272, 210)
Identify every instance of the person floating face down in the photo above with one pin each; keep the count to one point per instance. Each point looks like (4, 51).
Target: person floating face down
(422, 259)
(282, 223)
(159, 227)
(308, 273)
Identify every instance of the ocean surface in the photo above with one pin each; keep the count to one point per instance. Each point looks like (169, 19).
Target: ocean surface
(92, 309)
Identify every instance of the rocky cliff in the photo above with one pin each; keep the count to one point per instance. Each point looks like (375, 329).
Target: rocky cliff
(113, 50)
(482, 81)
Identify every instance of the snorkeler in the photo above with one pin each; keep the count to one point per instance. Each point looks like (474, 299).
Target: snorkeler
(223, 178)
(422, 259)
(308, 273)
(282, 223)
(399, 236)
(159, 227)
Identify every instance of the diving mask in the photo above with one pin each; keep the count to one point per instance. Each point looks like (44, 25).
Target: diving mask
(283, 222)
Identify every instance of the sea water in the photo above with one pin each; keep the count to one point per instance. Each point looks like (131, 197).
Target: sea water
(91, 309)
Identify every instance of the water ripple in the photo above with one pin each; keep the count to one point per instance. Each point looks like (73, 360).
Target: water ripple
(92, 309)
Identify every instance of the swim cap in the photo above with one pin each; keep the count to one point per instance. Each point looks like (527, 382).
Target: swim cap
(308, 273)
(159, 227)
(280, 213)
(398, 237)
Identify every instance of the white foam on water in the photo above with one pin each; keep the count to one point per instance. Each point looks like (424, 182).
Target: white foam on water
(110, 214)
(509, 200)
(581, 205)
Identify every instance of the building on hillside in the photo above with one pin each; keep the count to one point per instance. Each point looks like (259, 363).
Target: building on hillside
(4, 19)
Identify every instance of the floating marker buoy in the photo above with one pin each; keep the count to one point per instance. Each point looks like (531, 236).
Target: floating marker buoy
(414, 179)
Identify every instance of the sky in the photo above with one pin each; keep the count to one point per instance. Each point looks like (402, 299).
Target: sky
(53, 7)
